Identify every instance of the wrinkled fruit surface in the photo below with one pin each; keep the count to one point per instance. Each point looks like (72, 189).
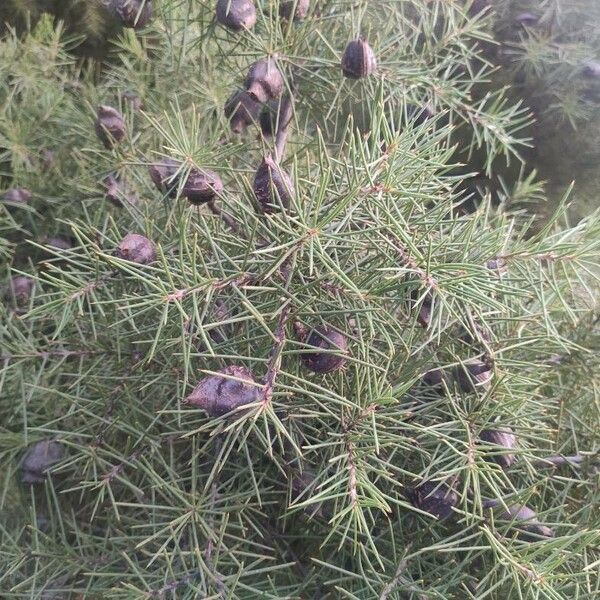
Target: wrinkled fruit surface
(220, 394)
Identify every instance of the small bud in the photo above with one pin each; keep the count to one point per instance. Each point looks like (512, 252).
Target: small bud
(503, 437)
(40, 457)
(201, 186)
(220, 394)
(133, 99)
(525, 519)
(241, 110)
(164, 176)
(133, 14)
(591, 69)
(271, 118)
(358, 59)
(136, 248)
(294, 9)
(264, 80)
(434, 497)
(19, 290)
(498, 266)
(473, 375)
(17, 195)
(116, 192)
(335, 345)
(110, 126)
(273, 187)
(527, 19)
(236, 14)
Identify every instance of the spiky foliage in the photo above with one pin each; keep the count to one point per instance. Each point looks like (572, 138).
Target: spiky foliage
(304, 493)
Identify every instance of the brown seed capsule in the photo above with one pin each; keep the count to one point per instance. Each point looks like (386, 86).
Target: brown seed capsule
(241, 110)
(358, 59)
(136, 248)
(133, 14)
(294, 9)
(40, 457)
(17, 195)
(473, 375)
(110, 126)
(330, 347)
(164, 176)
(264, 80)
(273, 187)
(236, 14)
(201, 186)
(434, 497)
(133, 99)
(526, 521)
(220, 394)
(19, 290)
(503, 437)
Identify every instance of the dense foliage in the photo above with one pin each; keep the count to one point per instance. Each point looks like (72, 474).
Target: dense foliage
(288, 350)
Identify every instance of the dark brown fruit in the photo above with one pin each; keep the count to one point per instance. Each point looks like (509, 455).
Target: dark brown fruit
(221, 394)
(19, 290)
(473, 375)
(17, 195)
(133, 14)
(110, 126)
(236, 14)
(137, 248)
(526, 521)
(434, 378)
(271, 118)
(434, 497)
(264, 80)
(335, 345)
(164, 176)
(358, 59)
(241, 110)
(40, 457)
(273, 187)
(503, 437)
(201, 186)
(294, 9)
